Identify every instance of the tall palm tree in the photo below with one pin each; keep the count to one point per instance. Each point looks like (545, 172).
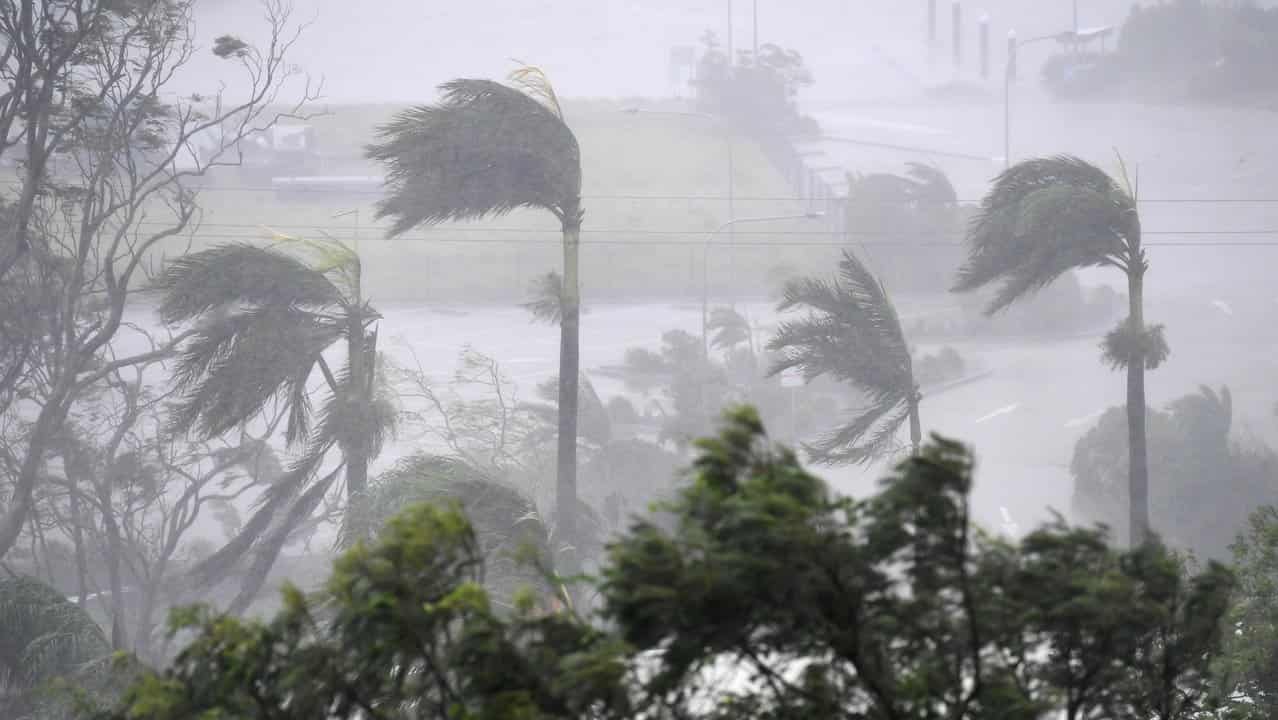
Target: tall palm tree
(852, 333)
(1046, 216)
(268, 316)
(487, 149)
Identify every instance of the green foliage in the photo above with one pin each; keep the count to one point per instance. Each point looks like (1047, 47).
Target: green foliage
(504, 520)
(401, 630)
(266, 316)
(895, 606)
(892, 606)
(55, 661)
(1207, 484)
(1248, 671)
(852, 333)
(1125, 345)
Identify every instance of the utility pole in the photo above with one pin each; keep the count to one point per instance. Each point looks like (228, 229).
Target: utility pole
(983, 42)
(956, 16)
(755, 8)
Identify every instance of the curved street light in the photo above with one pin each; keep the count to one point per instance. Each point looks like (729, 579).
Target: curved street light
(705, 254)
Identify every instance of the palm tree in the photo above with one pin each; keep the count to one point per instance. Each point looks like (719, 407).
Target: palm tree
(268, 316)
(1044, 217)
(853, 334)
(487, 149)
(43, 636)
(505, 520)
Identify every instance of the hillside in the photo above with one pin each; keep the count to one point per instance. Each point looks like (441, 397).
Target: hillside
(654, 188)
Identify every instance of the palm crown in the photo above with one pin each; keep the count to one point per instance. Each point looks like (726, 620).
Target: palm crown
(267, 318)
(1043, 218)
(853, 334)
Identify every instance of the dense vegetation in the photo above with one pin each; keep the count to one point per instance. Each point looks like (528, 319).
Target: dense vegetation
(576, 552)
(815, 605)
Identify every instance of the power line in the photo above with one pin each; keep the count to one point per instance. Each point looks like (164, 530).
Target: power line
(897, 238)
(703, 198)
(728, 243)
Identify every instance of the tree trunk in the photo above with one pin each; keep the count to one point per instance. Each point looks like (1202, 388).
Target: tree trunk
(569, 372)
(916, 427)
(1138, 464)
(357, 451)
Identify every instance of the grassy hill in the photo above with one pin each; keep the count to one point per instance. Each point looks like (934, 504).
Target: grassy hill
(655, 186)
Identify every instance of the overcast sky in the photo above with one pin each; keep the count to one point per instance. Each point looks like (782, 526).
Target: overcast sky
(400, 50)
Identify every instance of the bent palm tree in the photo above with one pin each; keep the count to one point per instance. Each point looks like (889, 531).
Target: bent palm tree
(268, 318)
(853, 334)
(1045, 217)
(487, 149)
(43, 636)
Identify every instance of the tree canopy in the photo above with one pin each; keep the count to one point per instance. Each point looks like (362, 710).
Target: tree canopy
(770, 596)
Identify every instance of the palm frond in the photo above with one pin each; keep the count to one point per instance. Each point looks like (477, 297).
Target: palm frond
(730, 328)
(851, 333)
(1042, 218)
(504, 519)
(229, 370)
(268, 549)
(353, 421)
(868, 436)
(278, 496)
(486, 149)
(533, 81)
(239, 273)
(1125, 345)
(329, 257)
(43, 635)
(547, 304)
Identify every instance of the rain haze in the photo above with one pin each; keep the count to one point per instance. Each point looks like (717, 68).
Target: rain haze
(314, 262)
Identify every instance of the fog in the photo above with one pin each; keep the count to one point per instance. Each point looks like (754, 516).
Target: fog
(691, 207)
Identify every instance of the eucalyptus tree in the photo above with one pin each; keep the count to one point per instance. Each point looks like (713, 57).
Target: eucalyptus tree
(852, 333)
(87, 231)
(1045, 217)
(485, 150)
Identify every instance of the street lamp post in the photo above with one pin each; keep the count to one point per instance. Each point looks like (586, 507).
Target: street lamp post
(705, 264)
(1013, 49)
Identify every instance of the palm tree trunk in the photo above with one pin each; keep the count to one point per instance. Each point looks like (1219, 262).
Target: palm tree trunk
(356, 456)
(916, 427)
(569, 370)
(1138, 464)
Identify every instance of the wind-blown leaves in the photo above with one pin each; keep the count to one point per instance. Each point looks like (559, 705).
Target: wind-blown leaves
(1042, 218)
(853, 334)
(43, 635)
(230, 370)
(730, 328)
(240, 273)
(505, 520)
(486, 149)
(547, 304)
(269, 317)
